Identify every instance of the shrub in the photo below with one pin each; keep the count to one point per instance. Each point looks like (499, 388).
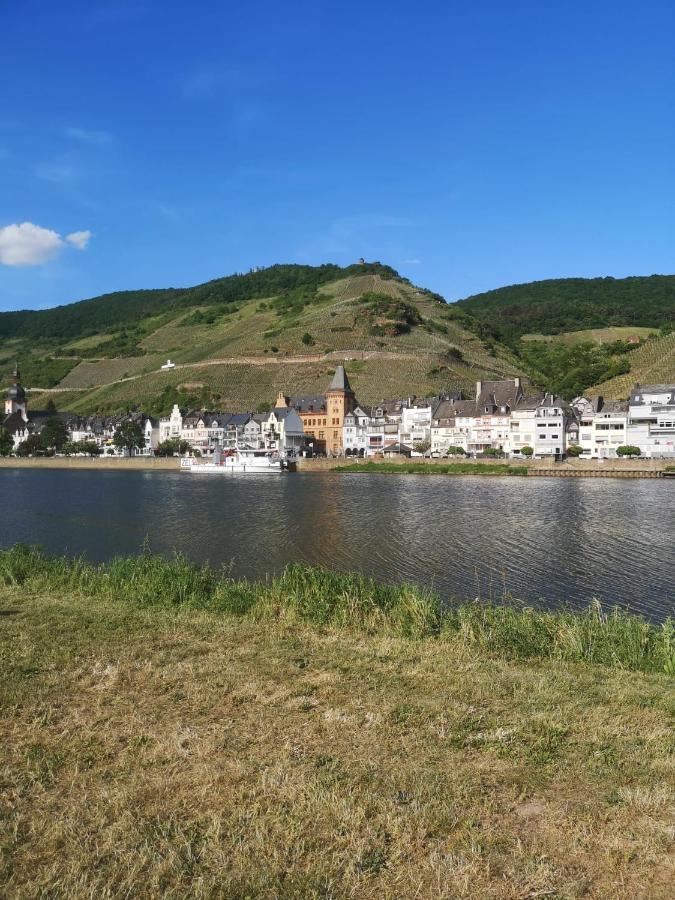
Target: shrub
(575, 450)
(527, 451)
(492, 453)
(628, 450)
(307, 339)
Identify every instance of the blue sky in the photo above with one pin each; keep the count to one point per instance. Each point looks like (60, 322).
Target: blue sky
(469, 145)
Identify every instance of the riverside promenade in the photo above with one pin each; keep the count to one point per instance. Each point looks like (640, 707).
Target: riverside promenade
(572, 468)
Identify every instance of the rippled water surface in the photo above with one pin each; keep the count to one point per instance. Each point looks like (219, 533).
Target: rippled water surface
(556, 539)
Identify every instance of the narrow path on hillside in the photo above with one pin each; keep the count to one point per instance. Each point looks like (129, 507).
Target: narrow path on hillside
(335, 356)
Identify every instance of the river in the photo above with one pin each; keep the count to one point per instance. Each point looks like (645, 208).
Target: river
(543, 540)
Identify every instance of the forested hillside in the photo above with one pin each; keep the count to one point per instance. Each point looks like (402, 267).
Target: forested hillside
(573, 304)
(572, 334)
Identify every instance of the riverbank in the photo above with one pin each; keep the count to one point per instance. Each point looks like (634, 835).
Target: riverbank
(572, 468)
(159, 463)
(167, 732)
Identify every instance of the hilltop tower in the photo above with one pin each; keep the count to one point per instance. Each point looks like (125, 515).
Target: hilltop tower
(340, 400)
(15, 399)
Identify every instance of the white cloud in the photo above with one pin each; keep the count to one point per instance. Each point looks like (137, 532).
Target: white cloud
(411, 262)
(89, 137)
(31, 245)
(79, 239)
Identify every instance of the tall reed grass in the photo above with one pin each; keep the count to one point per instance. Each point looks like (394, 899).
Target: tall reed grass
(331, 599)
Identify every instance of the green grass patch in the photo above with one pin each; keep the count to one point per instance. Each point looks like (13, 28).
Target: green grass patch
(327, 599)
(458, 468)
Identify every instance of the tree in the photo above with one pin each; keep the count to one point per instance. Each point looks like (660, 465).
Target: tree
(421, 446)
(54, 434)
(307, 339)
(128, 436)
(493, 452)
(456, 451)
(526, 451)
(628, 450)
(6, 442)
(32, 446)
(172, 447)
(50, 406)
(91, 448)
(263, 408)
(575, 450)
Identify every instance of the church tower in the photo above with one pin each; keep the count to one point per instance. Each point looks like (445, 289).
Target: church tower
(15, 399)
(340, 400)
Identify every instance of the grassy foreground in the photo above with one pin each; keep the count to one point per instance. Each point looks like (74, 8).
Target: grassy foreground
(170, 732)
(454, 468)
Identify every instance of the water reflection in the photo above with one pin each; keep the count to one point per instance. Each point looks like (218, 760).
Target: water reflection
(559, 539)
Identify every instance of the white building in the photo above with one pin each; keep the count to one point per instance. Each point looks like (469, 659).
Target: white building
(523, 426)
(355, 432)
(282, 431)
(451, 424)
(551, 419)
(651, 419)
(415, 427)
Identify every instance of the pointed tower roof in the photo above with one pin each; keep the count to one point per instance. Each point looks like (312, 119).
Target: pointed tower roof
(340, 381)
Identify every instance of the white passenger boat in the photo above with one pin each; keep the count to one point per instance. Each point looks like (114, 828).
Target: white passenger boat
(253, 462)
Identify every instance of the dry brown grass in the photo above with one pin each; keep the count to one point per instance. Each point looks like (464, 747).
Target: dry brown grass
(151, 752)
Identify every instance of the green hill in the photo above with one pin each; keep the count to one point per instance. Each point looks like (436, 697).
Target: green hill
(573, 334)
(574, 304)
(237, 341)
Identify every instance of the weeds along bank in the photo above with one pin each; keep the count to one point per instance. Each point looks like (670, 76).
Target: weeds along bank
(327, 599)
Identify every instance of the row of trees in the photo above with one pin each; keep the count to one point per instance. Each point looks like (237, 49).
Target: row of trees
(53, 438)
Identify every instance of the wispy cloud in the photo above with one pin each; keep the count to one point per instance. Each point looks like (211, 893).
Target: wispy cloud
(79, 239)
(27, 244)
(57, 172)
(86, 136)
(411, 262)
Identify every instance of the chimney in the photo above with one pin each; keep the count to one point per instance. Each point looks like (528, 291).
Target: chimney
(516, 381)
(479, 385)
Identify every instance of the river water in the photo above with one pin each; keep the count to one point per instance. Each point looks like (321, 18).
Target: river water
(543, 540)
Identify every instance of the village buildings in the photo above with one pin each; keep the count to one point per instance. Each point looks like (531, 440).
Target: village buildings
(504, 417)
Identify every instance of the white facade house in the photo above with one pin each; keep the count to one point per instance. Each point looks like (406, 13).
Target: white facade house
(551, 418)
(523, 426)
(451, 425)
(609, 430)
(355, 432)
(415, 427)
(282, 432)
(651, 419)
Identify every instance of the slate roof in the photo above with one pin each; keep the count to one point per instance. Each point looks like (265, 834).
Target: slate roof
(283, 412)
(640, 389)
(340, 381)
(531, 402)
(14, 422)
(499, 393)
(316, 404)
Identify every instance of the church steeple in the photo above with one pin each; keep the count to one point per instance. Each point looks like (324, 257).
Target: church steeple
(15, 399)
